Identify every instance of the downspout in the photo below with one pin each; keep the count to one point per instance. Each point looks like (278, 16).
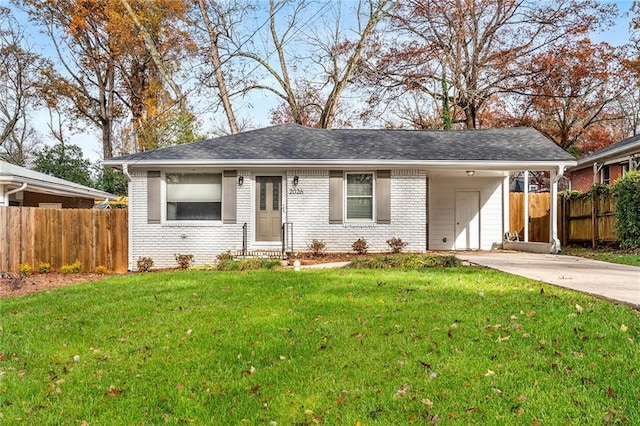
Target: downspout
(554, 240)
(13, 191)
(125, 172)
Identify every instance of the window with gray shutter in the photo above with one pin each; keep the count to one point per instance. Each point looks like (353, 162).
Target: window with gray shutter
(383, 196)
(153, 197)
(335, 196)
(229, 196)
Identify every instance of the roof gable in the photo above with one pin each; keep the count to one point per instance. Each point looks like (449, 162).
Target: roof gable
(291, 142)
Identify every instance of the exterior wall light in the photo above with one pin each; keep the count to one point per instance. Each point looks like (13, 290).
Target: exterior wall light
(240, 180)
(471, 172)
(295, 180)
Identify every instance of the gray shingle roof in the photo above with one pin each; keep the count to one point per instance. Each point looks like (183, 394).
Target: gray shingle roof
(631, 144)
(295, 142)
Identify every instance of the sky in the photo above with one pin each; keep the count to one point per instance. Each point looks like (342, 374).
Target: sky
(256, 107)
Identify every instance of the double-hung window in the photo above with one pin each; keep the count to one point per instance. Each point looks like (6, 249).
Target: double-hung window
(605, 175)
(359, 196)
(193, 196)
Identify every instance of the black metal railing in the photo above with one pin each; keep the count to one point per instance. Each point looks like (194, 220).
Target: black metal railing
(244, 239)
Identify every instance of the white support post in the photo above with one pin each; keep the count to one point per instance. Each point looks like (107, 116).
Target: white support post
(526, 206)
(506, 211)
(554, 177)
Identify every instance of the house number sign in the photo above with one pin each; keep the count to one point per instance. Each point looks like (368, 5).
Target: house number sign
(295, 191)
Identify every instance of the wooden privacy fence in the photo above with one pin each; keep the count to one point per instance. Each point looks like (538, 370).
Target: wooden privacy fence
(61, 236)
(538, 216)
(587, 218)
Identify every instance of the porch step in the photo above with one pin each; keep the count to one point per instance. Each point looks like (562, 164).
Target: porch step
(260, 254)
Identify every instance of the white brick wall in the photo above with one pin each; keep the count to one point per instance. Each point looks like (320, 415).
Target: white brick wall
(307, 209)
(442, 210)
(162, 241)
(309, 213)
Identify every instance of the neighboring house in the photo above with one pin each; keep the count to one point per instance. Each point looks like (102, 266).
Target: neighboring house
(606, 165)
(287, 185)
(27, 188)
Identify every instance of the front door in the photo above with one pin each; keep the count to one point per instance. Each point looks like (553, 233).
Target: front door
(268, 208)
(467, 220)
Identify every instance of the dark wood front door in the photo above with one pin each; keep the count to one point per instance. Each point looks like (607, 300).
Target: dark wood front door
(268, 208)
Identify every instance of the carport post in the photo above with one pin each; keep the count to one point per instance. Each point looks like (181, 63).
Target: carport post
(526, 206)
(554, 177)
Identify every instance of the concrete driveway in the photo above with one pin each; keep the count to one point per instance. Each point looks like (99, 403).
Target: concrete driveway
(611, 281)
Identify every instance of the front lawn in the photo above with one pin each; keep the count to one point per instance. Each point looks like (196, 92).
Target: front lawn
(455, 346)
(624, 257)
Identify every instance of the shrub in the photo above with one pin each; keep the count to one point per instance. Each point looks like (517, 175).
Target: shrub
(101, 270)
(413, 261)
(396, 245)
(247, 264)
(144, 264)
(360, 246)
(25, 270)
(44, 267)
(224, 256)
(627, 193)
(184, 260)
(72, 268)
(317, 247)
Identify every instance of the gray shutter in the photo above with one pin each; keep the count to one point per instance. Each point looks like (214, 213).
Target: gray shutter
(383, 196)
(229, 196)
(153, 197)
(336, 186)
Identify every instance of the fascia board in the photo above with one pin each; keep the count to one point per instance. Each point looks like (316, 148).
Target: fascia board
(431, 164)
(56, 189)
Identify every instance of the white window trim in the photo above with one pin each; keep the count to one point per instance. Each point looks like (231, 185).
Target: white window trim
(373, 197)
(163, 200)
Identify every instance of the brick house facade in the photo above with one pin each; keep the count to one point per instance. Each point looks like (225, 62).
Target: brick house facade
(607, 165)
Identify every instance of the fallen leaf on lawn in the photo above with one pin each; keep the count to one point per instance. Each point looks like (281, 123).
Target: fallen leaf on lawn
(282, 357)
(513, 317)
(402, 390)
(180, 386)
(255, 389)
(58, 390)
(317, 420)
(496, 391)
(3, 356)
(611, 393)
(427, 402)
(503, 339)
(21, 373)
(433, 375)
(453, 326)
(623, 328)
(189, 331)
(516, 326)
(521, 398)
(579, 308)
(113, 392)
(308, 412)
(489, 373)
(400, 362)
(531, 313)
(250, 371)
(85, 423)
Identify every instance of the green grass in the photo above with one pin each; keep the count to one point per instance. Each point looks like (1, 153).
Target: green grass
(604, 255)
(459, 346)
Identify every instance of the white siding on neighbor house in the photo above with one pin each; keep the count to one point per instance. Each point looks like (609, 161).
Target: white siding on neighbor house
(442, 195)
(308, 212)
(162, 241)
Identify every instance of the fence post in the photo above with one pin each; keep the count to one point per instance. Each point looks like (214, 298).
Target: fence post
(594, 218)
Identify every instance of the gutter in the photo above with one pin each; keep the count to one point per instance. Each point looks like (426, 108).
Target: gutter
(13, 191)
(280, 163)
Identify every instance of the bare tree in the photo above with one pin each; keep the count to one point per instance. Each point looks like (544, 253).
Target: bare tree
(482, 44)
(332, 61)
(19, 74)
